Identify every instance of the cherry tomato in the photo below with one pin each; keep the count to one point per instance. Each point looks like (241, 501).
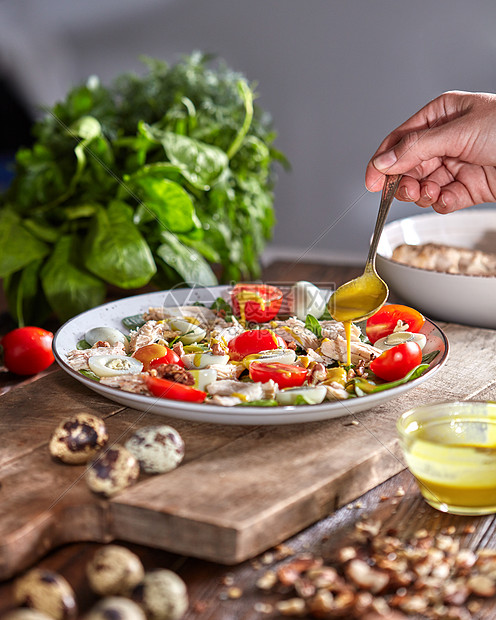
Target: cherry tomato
(256, 302)
(171, 357)
(27, 350)
(164, 388)
(397, 362)
(383, 322)
(150, 352)
(254, 341)
(285, 375)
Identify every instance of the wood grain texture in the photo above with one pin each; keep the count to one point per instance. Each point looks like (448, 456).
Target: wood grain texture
(239, 491)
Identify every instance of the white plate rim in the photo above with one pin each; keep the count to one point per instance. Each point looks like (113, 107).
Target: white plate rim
(72, 330)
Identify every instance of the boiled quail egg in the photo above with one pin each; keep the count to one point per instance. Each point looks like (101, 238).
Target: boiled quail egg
(112, 365)
(307, 299)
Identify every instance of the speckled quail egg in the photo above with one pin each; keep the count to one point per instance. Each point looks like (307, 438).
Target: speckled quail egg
(116, 608)
(307, 299)
(158, 448)
(112, 471)
(46, 591)
(25, 613)
(162, 594)
(78, 438)
(114, 570)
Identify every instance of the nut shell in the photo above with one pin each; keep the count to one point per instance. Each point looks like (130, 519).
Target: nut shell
(162, 594)
(25, 613)
(112, 471)
(116, 608)
(159, 449)
(78, 438)
(48, 592)
(114, 570)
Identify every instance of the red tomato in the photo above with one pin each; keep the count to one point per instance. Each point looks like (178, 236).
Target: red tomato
(397, 362)
(254, 341)
(285, 375)
(256, 302)
(383, 322)
(164, 388)
(27, 350)
(150, 352)
(171, 357)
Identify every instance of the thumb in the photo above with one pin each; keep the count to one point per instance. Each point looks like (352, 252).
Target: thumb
(416, 148)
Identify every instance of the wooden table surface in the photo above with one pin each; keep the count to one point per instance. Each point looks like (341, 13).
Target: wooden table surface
(218, 592)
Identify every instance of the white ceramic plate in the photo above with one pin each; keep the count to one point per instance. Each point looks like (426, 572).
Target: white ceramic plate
(470, 300)
(111, 315)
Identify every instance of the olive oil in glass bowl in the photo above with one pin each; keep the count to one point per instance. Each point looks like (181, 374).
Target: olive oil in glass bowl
(450, 448)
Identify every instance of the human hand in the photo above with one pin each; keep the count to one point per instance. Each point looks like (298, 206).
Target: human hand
(446, 152)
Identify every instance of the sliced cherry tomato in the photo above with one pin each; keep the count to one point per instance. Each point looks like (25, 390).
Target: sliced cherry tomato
(254, 341)
(285, 375)
(150, 352)
(163, 388)
(27, 350)
(171, 357)
(397, 362)
(384, 321)
(258, 303)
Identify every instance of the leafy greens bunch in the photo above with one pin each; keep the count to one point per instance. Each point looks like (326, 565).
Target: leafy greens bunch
(154, 179)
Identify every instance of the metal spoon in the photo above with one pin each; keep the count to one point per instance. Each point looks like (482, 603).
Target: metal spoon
(362, 297)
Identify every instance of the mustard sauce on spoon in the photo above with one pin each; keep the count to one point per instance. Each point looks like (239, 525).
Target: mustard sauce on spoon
(363, 296)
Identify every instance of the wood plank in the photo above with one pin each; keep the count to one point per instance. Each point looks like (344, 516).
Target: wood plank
(240, 490)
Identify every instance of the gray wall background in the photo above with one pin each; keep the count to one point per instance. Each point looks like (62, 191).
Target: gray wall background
(336, 75)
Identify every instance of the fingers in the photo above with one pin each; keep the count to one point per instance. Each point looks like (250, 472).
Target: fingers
(453, 197)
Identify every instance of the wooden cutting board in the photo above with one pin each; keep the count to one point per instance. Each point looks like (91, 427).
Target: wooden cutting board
(239, 490)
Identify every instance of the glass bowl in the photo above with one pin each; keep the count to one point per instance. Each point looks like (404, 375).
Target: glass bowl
(450, 448)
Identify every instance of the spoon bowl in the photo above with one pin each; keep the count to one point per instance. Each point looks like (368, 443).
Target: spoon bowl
(362, 297)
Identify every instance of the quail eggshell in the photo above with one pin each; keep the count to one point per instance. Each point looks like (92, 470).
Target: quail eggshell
(78, 438)
(116, 608)
(114, 570)
(162, 594)
(48, 592)
(159, 449)
(112, 471)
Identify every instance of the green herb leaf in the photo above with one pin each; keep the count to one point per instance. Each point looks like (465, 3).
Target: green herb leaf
(133, 322)
(187, 262)
(313, 325)
(369, 388)
(221, 305)
(19, 246)
(260, 403)
(430, 357)
(115, 250)
(68, 287)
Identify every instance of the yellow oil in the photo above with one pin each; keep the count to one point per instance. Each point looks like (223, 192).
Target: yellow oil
(454, 461)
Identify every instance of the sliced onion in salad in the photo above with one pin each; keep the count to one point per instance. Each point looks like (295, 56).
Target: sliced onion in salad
(189, 331)
(112, 365)
(399, 338)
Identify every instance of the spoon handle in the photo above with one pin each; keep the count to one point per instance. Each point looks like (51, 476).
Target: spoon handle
(388, 191)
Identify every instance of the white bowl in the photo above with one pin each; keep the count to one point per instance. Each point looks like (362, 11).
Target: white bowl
(470, 300)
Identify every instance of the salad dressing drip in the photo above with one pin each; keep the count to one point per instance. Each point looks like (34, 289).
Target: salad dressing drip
(354, 302)
(243, 296)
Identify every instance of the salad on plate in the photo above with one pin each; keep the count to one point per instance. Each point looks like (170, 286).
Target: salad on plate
(260, 347)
